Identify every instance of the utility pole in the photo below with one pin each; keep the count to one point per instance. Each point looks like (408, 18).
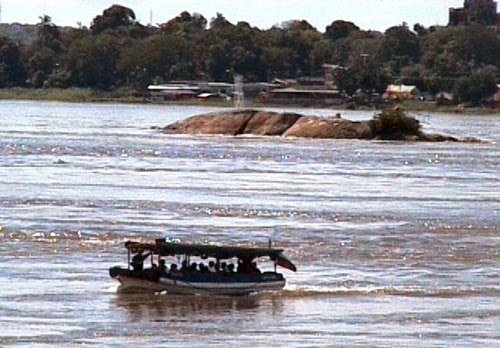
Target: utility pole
(238, 92)
(365, 57)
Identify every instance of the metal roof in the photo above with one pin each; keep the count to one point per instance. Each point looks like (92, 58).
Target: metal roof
(163, 248)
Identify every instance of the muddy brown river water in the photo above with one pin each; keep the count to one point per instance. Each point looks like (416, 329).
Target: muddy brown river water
(397, 244)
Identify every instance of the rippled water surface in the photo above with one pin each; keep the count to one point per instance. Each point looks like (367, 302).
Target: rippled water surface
(396, 243)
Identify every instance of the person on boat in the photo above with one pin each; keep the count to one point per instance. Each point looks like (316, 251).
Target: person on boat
(193, 268)
(203, 268)
(138, 260)
(184, 266)
(162, 268)
(254, 268)
(173, 269)
(230, 268)
(223, 268)
(244, 266)
(211, 267)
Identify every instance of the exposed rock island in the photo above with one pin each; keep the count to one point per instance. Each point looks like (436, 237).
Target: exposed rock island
(390, 124)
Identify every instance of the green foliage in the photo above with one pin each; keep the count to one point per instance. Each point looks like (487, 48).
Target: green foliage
(112, 18)
(117, 51)
(400, 42)
(413, 75)
(40, 65)
(453, 52)
(393, 121)
(12, 71)
(92, 62)
(48, 34)
(476, 88)
(340, 30)
(185, 24)
(348, 81)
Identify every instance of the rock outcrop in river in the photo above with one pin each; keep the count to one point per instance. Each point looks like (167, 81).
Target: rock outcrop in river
(389, 125)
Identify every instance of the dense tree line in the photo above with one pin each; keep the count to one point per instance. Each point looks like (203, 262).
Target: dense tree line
(117, 51)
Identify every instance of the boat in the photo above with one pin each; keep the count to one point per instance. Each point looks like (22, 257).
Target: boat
(193, 278)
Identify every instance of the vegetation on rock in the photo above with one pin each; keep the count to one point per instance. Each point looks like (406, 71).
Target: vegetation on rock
(393, 123)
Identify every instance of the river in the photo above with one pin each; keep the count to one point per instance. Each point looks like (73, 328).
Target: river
(396, 243)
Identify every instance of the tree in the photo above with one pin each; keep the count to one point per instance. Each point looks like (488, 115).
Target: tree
(48, 34)
(185, 24)
(445, 53)
(301, 37)
(40, 66)
(412, 75)
(348, 81)
(91, 62)
(401, 42)
(220, 23)
(279, 61)
(420, 29)
(340, 30)
(12, 72)
(297, 26)
(321, 53)
(159, 57)
(476, 88)
(219, 61)
(452, 52)
(112, 18)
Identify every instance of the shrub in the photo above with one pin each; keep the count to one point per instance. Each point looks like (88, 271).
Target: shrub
(395, 121)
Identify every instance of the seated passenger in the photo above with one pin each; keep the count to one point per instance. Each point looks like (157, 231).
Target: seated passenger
(255, 269)
(244, 266)
(211, 267)
(230, 268)
(204, 268)
(184, 266)
(163, 268)
(193, 267)
(173, 269)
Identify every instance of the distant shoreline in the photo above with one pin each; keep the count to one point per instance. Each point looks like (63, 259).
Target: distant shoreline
(126, 96)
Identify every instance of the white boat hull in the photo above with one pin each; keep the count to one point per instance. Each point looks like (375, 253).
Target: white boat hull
(178, 286)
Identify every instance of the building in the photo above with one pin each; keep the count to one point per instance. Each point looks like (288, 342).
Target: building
(444, 99)
(494, 100)
(475, 12)
(304, 96)
(166, 92)
(331, 72)
(400, 92)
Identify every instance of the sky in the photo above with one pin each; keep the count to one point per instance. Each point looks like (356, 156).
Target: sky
(367, 14)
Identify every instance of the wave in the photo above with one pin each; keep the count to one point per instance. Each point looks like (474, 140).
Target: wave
(300, 291)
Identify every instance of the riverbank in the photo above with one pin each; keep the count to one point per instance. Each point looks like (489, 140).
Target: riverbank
(73, 95)
(87, 95)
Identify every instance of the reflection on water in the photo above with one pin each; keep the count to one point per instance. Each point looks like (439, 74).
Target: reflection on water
(388, 237)
(162, 307)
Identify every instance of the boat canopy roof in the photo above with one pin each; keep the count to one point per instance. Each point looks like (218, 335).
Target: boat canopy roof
(164, 248)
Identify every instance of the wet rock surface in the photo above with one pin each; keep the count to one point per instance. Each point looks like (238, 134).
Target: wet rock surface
(267, 123)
